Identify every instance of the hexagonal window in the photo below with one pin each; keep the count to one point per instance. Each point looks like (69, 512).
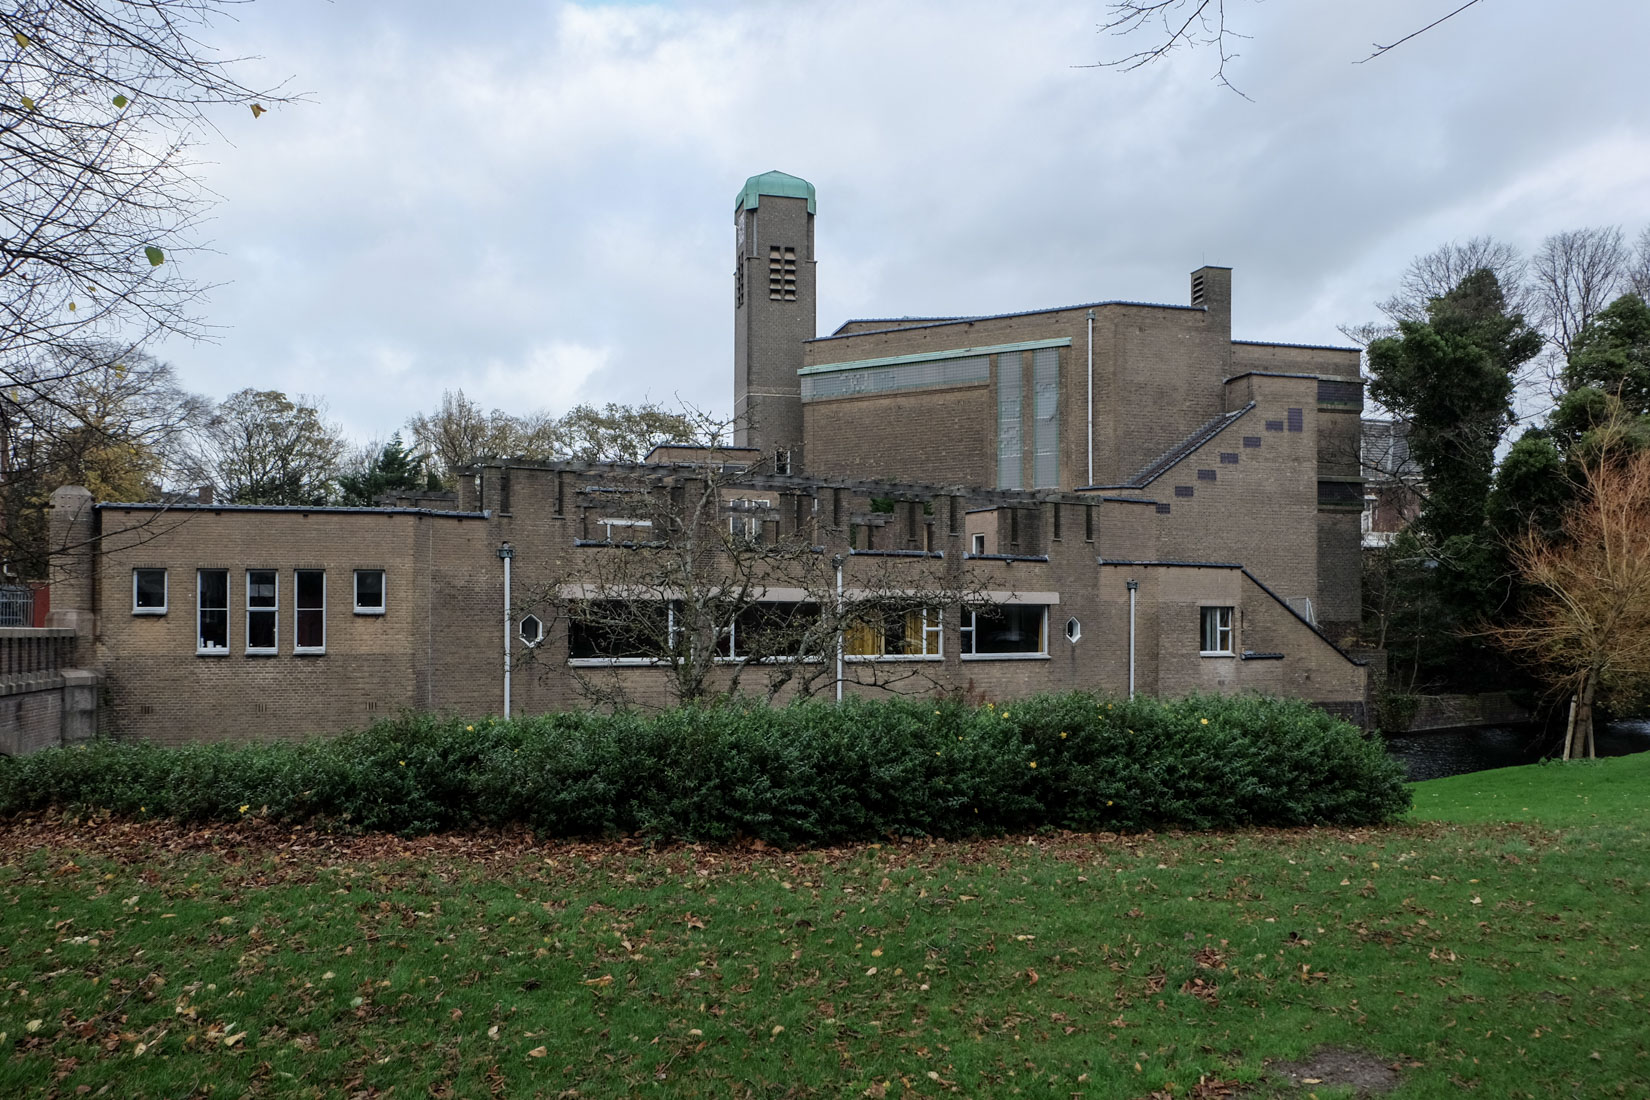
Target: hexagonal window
(532, 631)
(1074, 629)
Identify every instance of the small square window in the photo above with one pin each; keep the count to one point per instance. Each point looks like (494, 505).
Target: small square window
(1217, 632)
(979, 544)
(369, 591)
(148, 591)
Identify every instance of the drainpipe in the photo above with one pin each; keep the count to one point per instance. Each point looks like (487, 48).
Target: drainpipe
(837, 562)
(1134, 590)
(1090, 481)
(505, 552)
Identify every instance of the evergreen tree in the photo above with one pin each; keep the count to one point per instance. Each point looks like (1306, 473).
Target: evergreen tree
(1613, 354)
(394, 469)
(1451, 379)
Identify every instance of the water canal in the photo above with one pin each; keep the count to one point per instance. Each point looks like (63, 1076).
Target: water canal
(1437, 753)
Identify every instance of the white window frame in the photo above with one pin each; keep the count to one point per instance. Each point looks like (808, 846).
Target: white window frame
(298, 609)
(933, 642)
(612, 662)
(228, 618)
(383, 592)
(1222, 617)
(165, 592)
(966, 635)
(274, 611)
(630, 524)
(978, 543)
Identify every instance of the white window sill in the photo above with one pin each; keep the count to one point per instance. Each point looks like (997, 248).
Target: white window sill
(215, 651)
(1005, 656)
(1216, 653)
(873, 658)
(369, 611)
(148, 610)
(310, 652)
(612, 662)
(250, 652)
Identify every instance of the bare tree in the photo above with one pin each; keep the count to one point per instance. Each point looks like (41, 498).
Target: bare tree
(461, 433)
(716, 575)
(262, 447)
(1587, 630)
(1177, 24)
(1440, 271)
(118, 424)
(1638, 274)
(1576, 274)
(100, 103)
(620, 433)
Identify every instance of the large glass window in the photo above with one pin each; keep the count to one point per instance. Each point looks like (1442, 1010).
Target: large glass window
(1217, 631)
(1005, 629)
(618, 630)
(770, 631)
(212, 612)
(1010, 431)
(263, 589)
(1045, 411)
(914, 632)
(309, 603)
(369, 591)
(148, 591)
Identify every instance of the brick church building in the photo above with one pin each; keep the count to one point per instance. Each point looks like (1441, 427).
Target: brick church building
(1131, 500)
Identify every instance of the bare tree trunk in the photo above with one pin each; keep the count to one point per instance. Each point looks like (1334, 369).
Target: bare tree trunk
(1570, 727)
(1584, 716)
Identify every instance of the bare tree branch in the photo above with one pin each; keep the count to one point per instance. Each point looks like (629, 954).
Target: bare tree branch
(1380, 49)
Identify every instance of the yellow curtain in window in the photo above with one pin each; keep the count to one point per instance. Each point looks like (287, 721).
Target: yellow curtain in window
(916, 639)
(862, 639)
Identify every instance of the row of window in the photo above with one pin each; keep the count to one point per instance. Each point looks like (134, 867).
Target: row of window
(618, 630)
(260, 605)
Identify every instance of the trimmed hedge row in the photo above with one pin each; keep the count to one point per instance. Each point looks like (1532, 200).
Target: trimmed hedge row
(810, 773)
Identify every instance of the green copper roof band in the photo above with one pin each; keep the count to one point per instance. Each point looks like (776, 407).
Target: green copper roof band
(929, 356)
(775, 183)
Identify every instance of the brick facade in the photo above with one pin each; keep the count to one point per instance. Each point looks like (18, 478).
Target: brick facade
(1218, 486)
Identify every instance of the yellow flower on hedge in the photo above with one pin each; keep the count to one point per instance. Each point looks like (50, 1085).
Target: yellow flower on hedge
(1005, 714)
(1108, 802)
(1034, 763)
(246, 807)
(403, 763)
(469, 729)
(1062, 735)
(143, 809)
(1205, 721)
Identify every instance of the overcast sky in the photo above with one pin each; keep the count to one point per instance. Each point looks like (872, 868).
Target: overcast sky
(534, 202)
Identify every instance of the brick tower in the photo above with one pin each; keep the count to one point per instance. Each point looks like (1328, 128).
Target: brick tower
(774, 311)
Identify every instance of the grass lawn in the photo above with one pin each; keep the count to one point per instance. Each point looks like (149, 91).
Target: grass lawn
(1497, 941)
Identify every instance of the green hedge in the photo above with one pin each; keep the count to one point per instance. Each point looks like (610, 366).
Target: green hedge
(804, 774)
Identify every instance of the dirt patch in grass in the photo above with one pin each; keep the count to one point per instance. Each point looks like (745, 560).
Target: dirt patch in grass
(1337, 1066)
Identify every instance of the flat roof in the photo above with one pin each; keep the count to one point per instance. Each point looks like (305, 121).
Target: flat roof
(153, 506)
(1017, 313)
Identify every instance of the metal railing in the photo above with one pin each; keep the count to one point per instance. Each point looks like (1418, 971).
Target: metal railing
(16, 605)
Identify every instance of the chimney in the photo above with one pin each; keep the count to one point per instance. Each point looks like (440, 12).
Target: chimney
(203, 495)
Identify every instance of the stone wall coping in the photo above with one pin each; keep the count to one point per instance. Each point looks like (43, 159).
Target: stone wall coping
(36, 632)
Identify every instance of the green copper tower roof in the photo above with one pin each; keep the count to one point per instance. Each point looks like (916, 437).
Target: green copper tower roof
(774, 183)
